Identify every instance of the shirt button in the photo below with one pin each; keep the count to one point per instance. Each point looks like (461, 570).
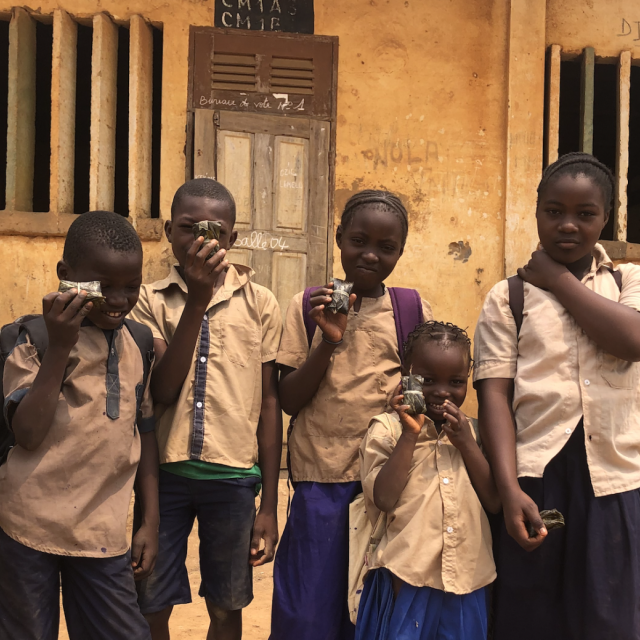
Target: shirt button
(203, 359)
(567, 431)
(587, 382)
(446, 481)
(199, 405)
(439, 443)
(449, 529)
(206, 317)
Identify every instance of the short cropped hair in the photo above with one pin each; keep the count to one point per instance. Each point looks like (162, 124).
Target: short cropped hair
(102, 229)
(204, 188)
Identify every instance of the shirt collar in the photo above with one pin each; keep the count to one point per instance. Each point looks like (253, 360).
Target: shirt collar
(237, 277)
(601, 260)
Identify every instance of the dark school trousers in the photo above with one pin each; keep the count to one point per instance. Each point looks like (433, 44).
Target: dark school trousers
(310, 575)
(98, 595)
(583, 582)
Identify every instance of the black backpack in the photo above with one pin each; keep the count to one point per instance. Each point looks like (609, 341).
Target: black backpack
(35, 326)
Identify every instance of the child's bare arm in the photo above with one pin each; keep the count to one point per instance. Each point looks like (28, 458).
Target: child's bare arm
(298, 386)
(172, 367)
(269, 455)
(614, 327)
(392, 477)
(459, 433)
(144, 548)
(34, 414)
(498, 432)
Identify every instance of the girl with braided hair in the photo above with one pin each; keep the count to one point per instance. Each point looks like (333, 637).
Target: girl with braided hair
(558, 385)
(428, 576)
(334, 377)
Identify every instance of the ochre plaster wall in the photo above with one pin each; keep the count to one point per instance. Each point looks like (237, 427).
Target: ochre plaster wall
(610, 26)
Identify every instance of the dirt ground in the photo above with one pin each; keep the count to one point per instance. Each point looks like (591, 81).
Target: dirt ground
(191, 621)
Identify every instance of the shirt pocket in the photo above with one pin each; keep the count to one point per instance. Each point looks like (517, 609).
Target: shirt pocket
(617, 373)
(239, 341)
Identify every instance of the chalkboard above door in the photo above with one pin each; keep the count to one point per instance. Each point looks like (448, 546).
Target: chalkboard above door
(292, 16)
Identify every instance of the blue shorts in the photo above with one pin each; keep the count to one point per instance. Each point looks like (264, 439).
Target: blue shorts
(98, 595)
(226, 512)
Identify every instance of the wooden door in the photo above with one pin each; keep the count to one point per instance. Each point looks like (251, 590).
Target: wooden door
(277, 169)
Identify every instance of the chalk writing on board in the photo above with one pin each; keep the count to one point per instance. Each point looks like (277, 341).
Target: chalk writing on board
(630, 28)
(263, 241)
(295, 16)
(279, 102)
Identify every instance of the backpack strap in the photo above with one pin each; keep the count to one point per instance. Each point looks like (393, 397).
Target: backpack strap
(143, 338)
(617, 276)
(407, 313)
(516, 300)
(37, 329)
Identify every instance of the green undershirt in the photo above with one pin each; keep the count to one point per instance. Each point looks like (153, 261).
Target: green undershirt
(200, 470)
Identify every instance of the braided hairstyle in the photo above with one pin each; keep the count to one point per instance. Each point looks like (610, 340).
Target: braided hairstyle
(379, 200)
(445, 334)
(576, 164)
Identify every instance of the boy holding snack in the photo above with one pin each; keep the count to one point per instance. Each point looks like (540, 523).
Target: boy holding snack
(216, 336)
(84, 431)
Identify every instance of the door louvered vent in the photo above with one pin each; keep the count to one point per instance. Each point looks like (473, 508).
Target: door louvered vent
(291, 75)
(234, 72)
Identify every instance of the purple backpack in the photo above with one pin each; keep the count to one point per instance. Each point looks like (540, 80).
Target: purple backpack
(407, 313)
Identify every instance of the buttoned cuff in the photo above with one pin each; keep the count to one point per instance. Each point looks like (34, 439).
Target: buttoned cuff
(11, 403)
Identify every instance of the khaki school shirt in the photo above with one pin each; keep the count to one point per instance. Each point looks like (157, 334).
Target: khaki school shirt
(71, 495)
(216, 416)
(360, 379)
(561, 375)
(437, 535)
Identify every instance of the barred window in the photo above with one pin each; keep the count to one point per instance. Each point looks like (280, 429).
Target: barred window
(80, 101)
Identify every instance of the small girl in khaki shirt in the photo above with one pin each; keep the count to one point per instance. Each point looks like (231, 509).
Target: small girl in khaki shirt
(428, 576)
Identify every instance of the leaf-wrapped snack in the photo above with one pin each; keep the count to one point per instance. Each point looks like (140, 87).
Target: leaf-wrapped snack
(551, 518)
(209, 230)
(94, 292)
(413, 396)
(340, 296)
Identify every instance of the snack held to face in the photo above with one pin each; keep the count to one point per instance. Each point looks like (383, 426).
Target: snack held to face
(551, 518)
(94, 292)
(209, 230)
(413, 396)
(340, 296)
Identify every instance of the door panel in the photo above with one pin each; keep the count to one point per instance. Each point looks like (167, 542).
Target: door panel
(235, 171)
(290, 183)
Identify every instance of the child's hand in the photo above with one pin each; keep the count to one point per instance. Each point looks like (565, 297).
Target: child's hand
(265, 528)
(144, 551)
(456, 427)
(201, 274)
(542, 270)
(63, 324)
(410, 424)
(332, 325)
(518, 509)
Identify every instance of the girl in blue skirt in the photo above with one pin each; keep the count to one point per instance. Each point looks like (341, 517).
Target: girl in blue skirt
(428, 576)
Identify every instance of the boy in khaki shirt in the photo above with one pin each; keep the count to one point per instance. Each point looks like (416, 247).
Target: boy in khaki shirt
(216, 338)
(82, 421)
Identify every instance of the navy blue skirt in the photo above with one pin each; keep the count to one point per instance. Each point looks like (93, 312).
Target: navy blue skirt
(583, 582)
(418, 613)
(310, 574)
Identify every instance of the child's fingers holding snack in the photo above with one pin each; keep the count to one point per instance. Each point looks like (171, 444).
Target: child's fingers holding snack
(332, 325)
(412, 424)
(265, 528)
(63, 313)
